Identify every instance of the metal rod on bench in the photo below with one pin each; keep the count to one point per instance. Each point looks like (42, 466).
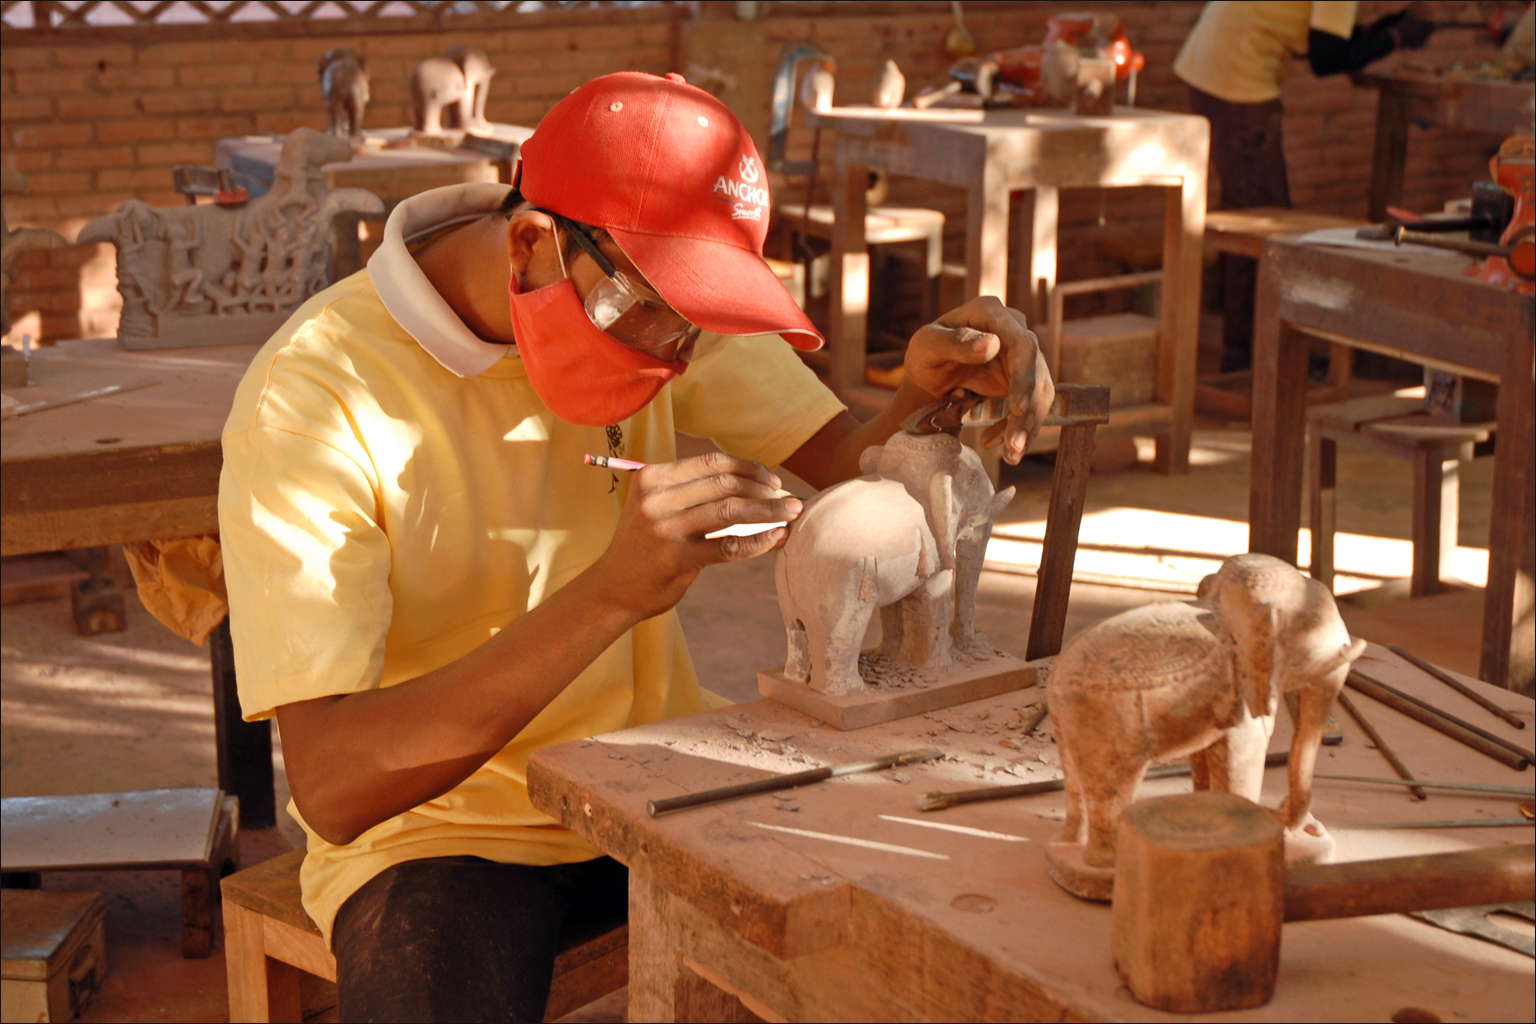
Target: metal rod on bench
(1083, 408)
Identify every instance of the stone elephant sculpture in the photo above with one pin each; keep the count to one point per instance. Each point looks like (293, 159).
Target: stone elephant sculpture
(437, 83)
(1201, 679)
(470, 111)
(907, 538)
(344, 88)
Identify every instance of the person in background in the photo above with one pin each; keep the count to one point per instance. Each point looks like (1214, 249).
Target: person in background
(1234, 62)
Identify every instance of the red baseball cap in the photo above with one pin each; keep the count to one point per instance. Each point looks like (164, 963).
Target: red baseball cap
(673, 176)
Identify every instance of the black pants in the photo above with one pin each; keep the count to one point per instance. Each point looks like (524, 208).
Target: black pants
(1248, 157)
(464, 939)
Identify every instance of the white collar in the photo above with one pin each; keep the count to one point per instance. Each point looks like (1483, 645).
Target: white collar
(409, 296)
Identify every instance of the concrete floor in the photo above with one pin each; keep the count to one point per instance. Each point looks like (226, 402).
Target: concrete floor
(133, 710)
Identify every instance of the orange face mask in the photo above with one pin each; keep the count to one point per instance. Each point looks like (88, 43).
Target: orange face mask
(581, 373)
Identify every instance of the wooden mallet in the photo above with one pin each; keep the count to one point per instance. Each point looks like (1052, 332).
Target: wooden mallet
(1201, 890)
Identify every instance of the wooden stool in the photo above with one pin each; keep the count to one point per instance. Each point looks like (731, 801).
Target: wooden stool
(269, 939)
(55, 953)
(195, 831)
(1395, 426)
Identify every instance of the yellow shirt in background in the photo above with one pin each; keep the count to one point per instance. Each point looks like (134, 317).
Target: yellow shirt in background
(1239, 50)
(381, 516)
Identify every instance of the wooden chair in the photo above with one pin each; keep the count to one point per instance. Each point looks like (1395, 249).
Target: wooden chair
(1394, 426)
(269, 939)
(883, 225)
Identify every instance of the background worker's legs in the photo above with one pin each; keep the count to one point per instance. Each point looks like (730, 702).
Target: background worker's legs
(461, 938)
(1249, 159)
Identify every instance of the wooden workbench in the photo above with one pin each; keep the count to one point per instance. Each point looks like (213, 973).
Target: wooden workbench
(1419, 306)
(140, 465)
(729, 912)
(991, 153)
(1460, 102)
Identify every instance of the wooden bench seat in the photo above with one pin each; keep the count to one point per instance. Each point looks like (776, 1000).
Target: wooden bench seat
(269, 939)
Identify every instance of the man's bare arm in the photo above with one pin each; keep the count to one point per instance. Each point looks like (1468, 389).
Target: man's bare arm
(359, 759)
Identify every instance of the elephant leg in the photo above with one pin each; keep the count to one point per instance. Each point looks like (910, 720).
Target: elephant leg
(1105, 798)
(836, 636)
(1200, 770)
(926, 615)
(797, 663)
(892, 628)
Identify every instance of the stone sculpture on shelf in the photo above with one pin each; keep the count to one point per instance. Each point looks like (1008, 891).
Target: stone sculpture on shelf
(216, 275)
(14, 243)
(907, 539)
(1201, 679)
(344, 87)
(470, 112)
(448, 95)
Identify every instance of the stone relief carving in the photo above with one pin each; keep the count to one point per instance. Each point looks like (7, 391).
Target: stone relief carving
(248, 266)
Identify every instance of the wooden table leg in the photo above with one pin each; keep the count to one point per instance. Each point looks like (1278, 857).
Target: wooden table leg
(1179, 330)
(1323, 454)
(244, 748)
(1340, 370)
(850, 280)
(1279, 420)
(1436, 496)
(1391, 154)
(1511, 595)
(1045, 202)
(662, 986)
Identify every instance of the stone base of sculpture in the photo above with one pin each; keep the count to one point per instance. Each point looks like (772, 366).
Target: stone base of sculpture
(1068, 869)
(900, 691)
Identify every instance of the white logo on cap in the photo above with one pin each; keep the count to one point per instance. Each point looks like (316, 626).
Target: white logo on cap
(748, 169)
(741, 211)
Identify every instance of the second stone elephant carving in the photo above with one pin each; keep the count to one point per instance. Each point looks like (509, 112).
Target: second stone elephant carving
(908, 538)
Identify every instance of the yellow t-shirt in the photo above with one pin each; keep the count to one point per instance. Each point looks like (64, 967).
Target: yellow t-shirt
(381, 516)
(1239, 50)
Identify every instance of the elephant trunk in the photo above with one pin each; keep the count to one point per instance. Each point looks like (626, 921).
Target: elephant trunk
(102, 229)
(1313, 705)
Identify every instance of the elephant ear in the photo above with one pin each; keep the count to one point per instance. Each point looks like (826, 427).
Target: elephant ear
(1256, 663)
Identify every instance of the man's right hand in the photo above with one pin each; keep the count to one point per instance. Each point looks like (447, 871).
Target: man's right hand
(660, 544)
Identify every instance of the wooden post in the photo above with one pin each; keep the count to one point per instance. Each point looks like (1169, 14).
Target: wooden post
(850, 279)
(1199, 901)
(1069, 489)
(1510, 598)
(244, 748)
(1179, 330)
(1391, 153)
(1323, 455)
(1279, 418)
(1042, 247)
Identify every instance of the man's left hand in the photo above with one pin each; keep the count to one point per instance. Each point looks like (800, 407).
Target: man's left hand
(985, 347)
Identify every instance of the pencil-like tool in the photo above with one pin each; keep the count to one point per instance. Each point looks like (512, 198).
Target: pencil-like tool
(613, 462)
(938, 801)
(1457, 685)
(777, 782)
(1381, 744)
(1422, 711)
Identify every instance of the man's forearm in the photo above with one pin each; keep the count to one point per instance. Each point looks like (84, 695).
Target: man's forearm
(357, 760)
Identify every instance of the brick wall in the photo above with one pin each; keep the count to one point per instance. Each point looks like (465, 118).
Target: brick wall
(94, 123)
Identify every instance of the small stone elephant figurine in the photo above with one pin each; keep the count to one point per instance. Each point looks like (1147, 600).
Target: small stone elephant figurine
(907, 538)
(450, 92)
(1201, 679)
(344, 87)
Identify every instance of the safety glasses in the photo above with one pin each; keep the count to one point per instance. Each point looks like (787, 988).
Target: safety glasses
(630, 312)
